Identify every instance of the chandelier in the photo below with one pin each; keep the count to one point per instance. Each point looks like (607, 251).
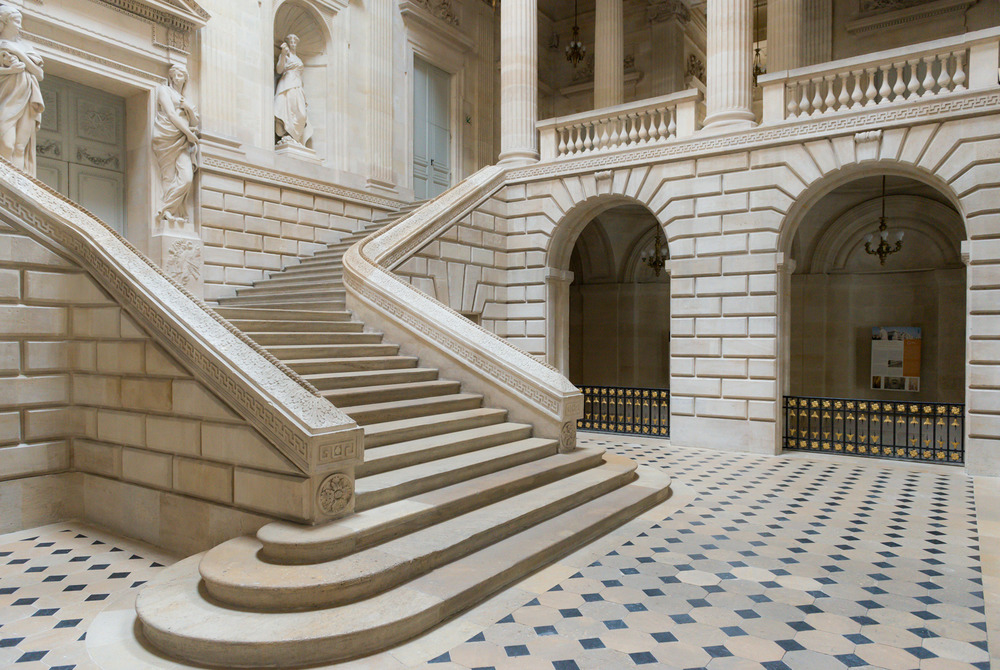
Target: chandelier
(575, 51)
(884, 248)
(758, 64)
(657, 260)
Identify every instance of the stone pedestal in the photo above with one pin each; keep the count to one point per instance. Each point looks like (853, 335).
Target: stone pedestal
(295, 150)
(518, 81)
(179, 253)
(729, 97)
(609, 69)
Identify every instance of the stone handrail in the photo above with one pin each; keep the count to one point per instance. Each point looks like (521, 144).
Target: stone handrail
(303, 426)
(636, 124)
(907, 74)
(508, 377)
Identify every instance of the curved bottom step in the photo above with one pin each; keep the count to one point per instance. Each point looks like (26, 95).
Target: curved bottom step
(177, 616)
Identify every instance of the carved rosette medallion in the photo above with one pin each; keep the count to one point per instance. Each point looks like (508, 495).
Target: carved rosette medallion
(335, 493)
(567, 437)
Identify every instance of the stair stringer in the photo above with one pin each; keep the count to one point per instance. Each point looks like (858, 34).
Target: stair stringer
(532, 392)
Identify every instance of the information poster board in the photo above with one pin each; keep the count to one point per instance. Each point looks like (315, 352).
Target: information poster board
(896, 358)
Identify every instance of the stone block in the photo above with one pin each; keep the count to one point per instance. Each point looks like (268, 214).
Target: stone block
(62, 287)
(227, 221)
(24, 320)
(162, 364)
(721, 326)
(40, 390)
(219, 182)
(177, 436)
(62, 355)
(191, 399)
(97, 390)
(260, 191)
(237, 240)
(695, 386)
(96, 322)
(47, 423)
(147, 394)
(696, 346)
(10, 357)
(147, 467)
(726, 409)
(721, 367)
(763, 326)
(749, 389)
(121, 428)
(203, 479)
(723, 204)
(281, 495)
(122, 357)
(25, 251)
(763, 283)
(695, 267)
(242, 205)
(296, 198)
(98, 458)
(721, 286)
(296, 231)
(10, 284)
(243, 276)
(750, 305)
(279, 246)
(25, 460)
(10, 427)
(750, 347)
(224, 256)
(241, 446)
(762, 411)
(717, 245)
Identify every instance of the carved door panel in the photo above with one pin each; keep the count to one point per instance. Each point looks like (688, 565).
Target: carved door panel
(81, 147)
(431, 130)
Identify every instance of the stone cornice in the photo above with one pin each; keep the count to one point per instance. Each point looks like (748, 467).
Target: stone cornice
(965, 104)
(905, 13)
(182, 15)
(667, 10)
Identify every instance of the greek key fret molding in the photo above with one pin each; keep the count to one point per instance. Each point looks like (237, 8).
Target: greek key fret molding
(263, 410)
(323, 188)
(762, 135)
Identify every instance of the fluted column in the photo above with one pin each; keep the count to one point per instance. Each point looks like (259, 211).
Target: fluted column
(609, 54)
(730, 64)
(667, 19)
(817, 32)
(518, 81)
(784, 34)
(380, 92)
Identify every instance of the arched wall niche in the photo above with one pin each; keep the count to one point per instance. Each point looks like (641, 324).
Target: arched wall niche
(837, 292)
(307, 22)
(619, 329)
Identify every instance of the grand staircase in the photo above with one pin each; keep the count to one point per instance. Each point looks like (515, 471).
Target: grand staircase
(453, 502)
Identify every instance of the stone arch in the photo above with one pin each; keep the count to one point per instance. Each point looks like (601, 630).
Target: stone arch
(594, 249)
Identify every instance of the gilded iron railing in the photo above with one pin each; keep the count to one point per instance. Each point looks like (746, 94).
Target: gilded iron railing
(616, 409)
(913, 431)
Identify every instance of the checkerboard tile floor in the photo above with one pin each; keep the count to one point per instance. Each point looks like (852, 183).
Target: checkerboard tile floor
(54, 580)
(797, 562)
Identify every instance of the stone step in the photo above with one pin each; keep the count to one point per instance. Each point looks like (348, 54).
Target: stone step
(294, 544)
(177, 619)
(295, 326)
(412, 452)
(311, 290)
(307, 266)
(400, 483)
(277, 313)
(303, 280)
(338, 380)
(265, 586)
(267, 339)
(384, 412)
(307, 366)
(298, 352)
(279, 301)
(411, 429)
(367, 395)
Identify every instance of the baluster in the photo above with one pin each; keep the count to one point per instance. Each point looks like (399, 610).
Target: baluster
(871, 93)
(929, 81)
(791, 94)
(662, 130)
(959, 77)
(562, 142)
(643, 133)
(579, 137)
(844, 98)
(672, 127)
(831, 99)
(914, 85)
(588, 140)
(804, 105)
(616, 137)
(605, 135)
(885, 91)
(817, 101)
(633, 135)
(900, 86)
(654, 128)
(944, 78)
(856, 93)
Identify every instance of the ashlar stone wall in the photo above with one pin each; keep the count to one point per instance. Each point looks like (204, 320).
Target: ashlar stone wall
(98, 421)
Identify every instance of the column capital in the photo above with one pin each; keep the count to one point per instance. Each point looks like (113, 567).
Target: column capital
(668, 10)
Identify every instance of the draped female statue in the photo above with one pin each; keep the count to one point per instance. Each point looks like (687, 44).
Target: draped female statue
(290, 120)
(21, 104)
(175, 144)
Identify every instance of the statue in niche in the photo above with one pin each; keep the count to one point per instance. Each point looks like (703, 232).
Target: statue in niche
(291, 125)
(21, 103)
(175, 144)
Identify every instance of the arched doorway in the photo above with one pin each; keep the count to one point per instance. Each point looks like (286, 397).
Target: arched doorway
(619, 323)
(875, 347)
